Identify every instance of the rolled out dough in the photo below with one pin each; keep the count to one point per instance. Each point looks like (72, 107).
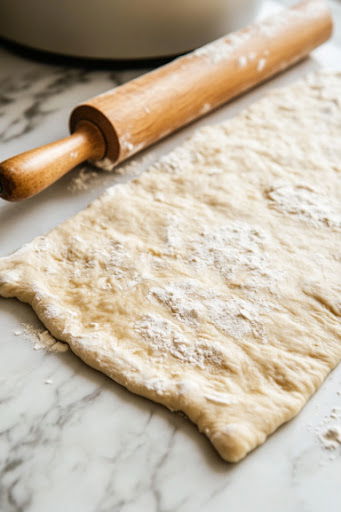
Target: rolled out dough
(210, 283)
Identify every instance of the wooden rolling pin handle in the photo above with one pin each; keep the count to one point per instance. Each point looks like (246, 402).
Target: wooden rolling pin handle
(27, 174)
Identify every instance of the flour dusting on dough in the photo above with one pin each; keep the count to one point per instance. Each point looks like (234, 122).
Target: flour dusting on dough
(165, 338)
(306, 204)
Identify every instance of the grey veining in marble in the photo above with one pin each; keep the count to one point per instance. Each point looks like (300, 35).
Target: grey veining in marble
(72, 440)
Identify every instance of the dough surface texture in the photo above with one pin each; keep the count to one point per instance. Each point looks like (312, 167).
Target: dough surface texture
(211, 283)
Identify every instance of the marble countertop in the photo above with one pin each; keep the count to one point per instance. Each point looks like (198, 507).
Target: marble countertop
(70, 438)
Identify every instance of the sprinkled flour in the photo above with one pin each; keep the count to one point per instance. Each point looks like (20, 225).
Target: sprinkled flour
(329, 430)
(236, 250)
(84, 179)
(305, 203)
(236, 317)
(164, 337)
(223, 48)
(42, 339)
(330, 437)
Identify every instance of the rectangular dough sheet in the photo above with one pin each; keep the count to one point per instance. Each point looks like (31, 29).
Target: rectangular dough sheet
(211, 283)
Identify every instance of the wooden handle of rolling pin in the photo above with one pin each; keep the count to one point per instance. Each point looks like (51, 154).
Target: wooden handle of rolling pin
(25, 175)
(117, 124)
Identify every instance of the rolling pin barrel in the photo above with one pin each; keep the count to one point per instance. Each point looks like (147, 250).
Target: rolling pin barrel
(115, 125)
(150, 107)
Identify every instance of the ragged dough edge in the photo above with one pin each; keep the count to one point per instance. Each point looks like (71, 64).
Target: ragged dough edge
(232, 442)
(231, 447)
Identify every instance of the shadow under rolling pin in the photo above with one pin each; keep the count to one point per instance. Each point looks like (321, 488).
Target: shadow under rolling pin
(113, 126)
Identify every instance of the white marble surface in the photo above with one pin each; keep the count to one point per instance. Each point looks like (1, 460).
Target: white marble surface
(83, 443)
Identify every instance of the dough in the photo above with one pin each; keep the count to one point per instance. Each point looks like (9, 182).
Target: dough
(210, 283)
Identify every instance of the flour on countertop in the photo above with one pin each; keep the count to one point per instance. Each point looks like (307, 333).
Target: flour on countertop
(330, 437)
(106, 164)
(42, 339)
(135, 166)
(87, 178)
(83, 180)
(336, 413)
(131, 167)
(329, 430)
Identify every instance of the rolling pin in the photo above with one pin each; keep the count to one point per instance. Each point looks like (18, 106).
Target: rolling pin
(113, 126)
